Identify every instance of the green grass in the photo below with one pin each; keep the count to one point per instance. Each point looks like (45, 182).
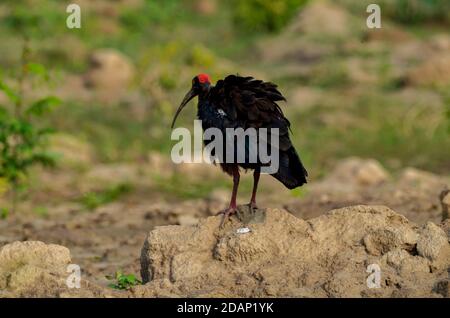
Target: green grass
(41, 211)
(93, 200)
(4, 213)
(118, 133)
(169, 35)
(374, 126)
(133, 30)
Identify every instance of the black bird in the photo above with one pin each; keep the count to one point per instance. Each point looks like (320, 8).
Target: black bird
(244, 102)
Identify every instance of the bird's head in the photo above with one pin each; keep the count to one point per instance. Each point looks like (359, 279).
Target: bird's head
(200, 85)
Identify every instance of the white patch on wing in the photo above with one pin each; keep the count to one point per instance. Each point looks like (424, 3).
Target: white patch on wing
(221, 112)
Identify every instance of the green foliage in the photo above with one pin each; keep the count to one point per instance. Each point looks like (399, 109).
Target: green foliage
(123, 281)
(153, 12)
(201, 56)
(23, 139)
(93, 200)
(167, 81)
(31, 19)
(265, 15)
(4, 186)
(4, 212)
(43, 106)
(417, 11)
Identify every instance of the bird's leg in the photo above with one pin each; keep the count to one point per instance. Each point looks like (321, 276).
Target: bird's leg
(233, 206)
(256, 175)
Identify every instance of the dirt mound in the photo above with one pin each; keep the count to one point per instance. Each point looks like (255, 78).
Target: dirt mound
(110, 73)
(277, 254)
(300, 46)
(414, 193)
(266, 253)
(357, 172)
(35, 269)
(434, 71)
(322, 18)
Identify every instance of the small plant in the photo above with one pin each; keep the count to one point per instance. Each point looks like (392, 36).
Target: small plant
(123, 282)
(3, 213)
(23, 139)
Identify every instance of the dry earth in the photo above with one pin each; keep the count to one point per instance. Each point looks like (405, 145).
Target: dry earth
(277, 255)
(320, 249)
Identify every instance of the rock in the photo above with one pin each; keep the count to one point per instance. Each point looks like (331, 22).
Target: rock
(432, 241)
(300, 46)
(382, 241)
(423, 180)
(282, 255)
(395, 257)
(443, 288)
(362, 172)
(187, 219)
(205, 7)
(35, 269)
(53, 257)
(110, 73)
(440, 42)
(322, 18)
(434, 71)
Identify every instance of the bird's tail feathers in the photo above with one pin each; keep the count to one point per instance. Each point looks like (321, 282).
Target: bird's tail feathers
(291, 171)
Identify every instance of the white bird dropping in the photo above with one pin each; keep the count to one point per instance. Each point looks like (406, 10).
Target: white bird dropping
(243, 230)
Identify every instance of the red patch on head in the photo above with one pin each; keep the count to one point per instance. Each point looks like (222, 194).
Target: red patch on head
(203, 78)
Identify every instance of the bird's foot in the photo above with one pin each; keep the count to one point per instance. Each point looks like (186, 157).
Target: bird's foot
(253, 206)
(226, 214)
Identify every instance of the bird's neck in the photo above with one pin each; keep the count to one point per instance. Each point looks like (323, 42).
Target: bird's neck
(204, 93)
(205, 109)
(203, 100)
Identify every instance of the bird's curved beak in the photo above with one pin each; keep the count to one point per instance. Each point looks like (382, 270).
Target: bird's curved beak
(190, 95)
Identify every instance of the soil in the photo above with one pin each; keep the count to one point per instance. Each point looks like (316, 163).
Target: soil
(111, 238)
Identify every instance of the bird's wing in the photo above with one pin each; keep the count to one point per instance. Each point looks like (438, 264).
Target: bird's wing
(252, 103)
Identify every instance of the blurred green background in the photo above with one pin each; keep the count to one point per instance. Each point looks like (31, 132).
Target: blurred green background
(352, 91)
